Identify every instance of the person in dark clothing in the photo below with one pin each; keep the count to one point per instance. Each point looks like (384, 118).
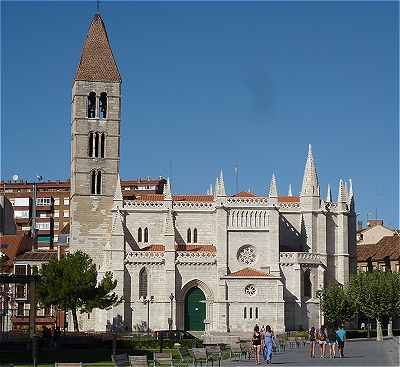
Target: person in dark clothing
(331, 341)
(257, 343)
(312, 338)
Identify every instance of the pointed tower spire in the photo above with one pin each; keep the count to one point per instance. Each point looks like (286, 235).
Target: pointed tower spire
(216, 188)
(211, 189)
(118, 198)
(97, 62)
(167, 191)
(346, 191)
(169, 228)
(342, 192)
(273, 190)
(310, 185)
(221, 191)
(290, 190)
(350, 195)
(328, 194)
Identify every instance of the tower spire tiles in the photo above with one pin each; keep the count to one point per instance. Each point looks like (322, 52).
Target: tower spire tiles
(310, 185)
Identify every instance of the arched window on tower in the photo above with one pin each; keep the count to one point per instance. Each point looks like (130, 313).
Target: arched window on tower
(245, 313)
(195, 235)
(189, 236)
(143, 283)
(307, 283)
(146, 235)
(98, 183)
(91, 145)
(139, 235)
(91, 105)
(96, 145)
(93, 182)
(102, 147)
(103, 105)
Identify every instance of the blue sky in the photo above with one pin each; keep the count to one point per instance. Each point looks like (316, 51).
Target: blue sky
(206, 85)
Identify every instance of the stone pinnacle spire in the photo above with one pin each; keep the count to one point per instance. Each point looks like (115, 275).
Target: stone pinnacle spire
(350, 195)
(118, 190)
(290, 190)
(216, 188)
(97, 62)
(169, 223)
(328, 194)
(273, 190)
(221, 191)
(342, 192)
(211, 189)
(310, 185)
(167, 191)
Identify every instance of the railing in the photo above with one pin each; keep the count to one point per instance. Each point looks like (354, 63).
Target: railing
(300, 258)
(134, 257)
(194, 257)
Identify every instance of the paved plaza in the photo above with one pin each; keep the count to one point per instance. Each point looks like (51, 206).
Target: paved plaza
(357, 353)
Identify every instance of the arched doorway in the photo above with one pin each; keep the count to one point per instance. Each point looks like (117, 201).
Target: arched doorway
(195, 309)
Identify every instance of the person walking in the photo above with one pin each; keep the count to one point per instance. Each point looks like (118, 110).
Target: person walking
(341, 337)
(268, 344)
(321, 336)
(312, 339)
(331, 341)
(257, 343)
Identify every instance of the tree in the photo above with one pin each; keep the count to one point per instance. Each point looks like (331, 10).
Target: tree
(71, 283)
(336, 304)
(376, 294)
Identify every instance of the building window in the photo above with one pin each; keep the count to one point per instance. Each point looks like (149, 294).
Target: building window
(307, 283)
(91, 139)
(256, 312)
(370, 265)
(43, 201)
(20, 308)
(146, 235)
(189, 236)
(66, 213)
(195, 235)
(95, 182)
(388, 266)
(91, 105)
(19, 291)
(251, 312)
(66, 201)
(139, 235)
(43, 226)
(55, 238)
(102, 142)
(245, 313)
(56, 225)
(56, 213)
(143, 283)
(103, 105)
(20, 270)
(56, 201)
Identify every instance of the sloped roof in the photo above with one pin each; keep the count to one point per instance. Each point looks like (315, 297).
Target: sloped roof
(37, 256)
(97, 62)
(196, 248)
(248, 272)
(244, 194)
(388, 246)
(154, 247)
(289, 199)
(160, 197)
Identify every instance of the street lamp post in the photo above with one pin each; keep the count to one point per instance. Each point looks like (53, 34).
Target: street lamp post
(147, 301)
(170, 320)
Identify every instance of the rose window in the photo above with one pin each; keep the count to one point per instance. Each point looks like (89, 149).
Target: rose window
(250, 290)
(247, 255)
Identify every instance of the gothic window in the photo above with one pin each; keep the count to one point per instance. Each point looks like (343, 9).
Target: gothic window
(96, 144)
(103, 105)
(103, 138)
(93, 182)
(98, 183)
(247, 255)
(256, 312)
(195, 235)
(139, 235)
(143, 283)
(307, 283)
(251, 312)
(189, 235)
(91, 145)
(146, 235)
(91, 105)
(250, 290)
(245, 313)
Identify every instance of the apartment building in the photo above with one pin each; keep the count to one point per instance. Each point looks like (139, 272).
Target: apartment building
(52, 204)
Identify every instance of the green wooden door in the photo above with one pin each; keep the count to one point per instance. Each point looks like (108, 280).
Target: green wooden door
(195, 309)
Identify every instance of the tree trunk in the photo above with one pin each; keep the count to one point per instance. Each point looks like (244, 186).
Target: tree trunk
(75, 318)
(379, 334)
(390, 327)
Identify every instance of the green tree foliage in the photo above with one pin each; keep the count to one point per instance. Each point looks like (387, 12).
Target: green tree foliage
(71, 283)
(336, 304)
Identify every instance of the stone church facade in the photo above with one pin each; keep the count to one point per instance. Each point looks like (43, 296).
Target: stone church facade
(217, 262)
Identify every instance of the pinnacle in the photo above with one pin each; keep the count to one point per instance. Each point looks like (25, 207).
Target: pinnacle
(310, 185)
(273, 190)
(167, 190)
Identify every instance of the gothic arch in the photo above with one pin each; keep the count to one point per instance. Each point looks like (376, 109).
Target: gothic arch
(196, 283)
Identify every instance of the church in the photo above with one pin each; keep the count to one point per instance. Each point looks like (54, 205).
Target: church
(213, 262)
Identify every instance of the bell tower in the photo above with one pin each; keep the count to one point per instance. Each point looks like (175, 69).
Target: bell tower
(95, 143)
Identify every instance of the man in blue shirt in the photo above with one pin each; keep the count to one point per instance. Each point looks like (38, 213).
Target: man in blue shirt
(341, 336)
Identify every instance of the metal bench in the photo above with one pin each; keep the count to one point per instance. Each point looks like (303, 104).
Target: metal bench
(120, 360)
(236, 350)
(214, 354)
(162, 359)
(138, 361)
(199, 356)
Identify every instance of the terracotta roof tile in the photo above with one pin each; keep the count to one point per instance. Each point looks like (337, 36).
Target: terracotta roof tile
(248, 272)
(13, 245)
(202, 198)
(244, 194)
(387, 246)
(154, 247)
(97, 62)
(37, 256)
(196, 248)
(150, 197)
(364, 252)
(289, 199)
